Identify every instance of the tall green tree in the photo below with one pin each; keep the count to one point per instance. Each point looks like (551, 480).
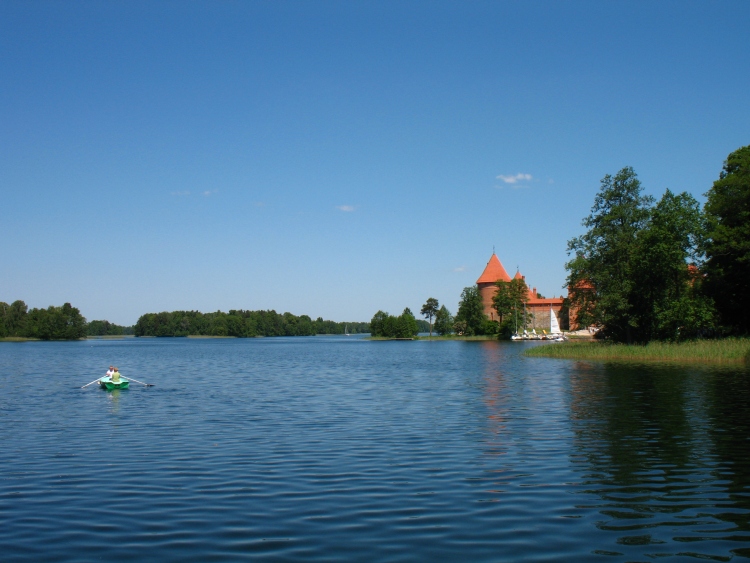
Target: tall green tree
(636, 270)
(429, 310)
(407, 325)
(668, 302)
(378, 323)
(15, 319)
(509, 301)
(471, 311)
(604, 255)
(728, 249)
(443, 321)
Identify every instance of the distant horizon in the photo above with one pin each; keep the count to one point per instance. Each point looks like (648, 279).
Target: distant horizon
(339, 158)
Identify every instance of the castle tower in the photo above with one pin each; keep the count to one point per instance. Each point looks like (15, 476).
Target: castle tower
(493, 272)
(539, 308)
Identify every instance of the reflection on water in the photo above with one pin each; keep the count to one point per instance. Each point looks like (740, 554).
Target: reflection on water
(662, 448)
(339, 449)
(114, 399)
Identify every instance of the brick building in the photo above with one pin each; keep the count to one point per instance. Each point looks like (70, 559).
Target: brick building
(539, 308)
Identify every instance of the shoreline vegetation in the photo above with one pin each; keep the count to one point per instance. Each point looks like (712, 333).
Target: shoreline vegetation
(446, 337)
(719, 351)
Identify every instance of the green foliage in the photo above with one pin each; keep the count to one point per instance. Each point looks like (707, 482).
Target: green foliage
(490, 327)
(668, 303)
(15, 318)
(443, 321)
(388, 326)
(429, 310)
(238, 323)
(630, 272)
(728, 248)
(4, 309)
(52, 323)
(106, 328)
(509, 301)
(470, 313)
(422, 325)
(604, 255)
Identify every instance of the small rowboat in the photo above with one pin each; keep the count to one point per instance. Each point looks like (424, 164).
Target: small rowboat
(109, 385)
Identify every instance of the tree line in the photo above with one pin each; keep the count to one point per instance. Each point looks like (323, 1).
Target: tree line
(67, 323)
(106, 328)
(240, 323)
(469, 320)
(52, 323)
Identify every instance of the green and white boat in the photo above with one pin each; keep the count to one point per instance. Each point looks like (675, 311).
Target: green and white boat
(107, 383)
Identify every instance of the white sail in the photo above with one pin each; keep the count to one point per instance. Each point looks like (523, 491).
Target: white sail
(554, 326)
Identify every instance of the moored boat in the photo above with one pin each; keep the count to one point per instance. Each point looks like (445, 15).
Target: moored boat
(109, 385)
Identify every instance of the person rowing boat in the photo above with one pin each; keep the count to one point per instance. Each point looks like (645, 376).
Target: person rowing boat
(114, 381)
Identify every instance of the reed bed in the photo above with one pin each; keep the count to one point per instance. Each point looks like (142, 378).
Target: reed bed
(721, 351)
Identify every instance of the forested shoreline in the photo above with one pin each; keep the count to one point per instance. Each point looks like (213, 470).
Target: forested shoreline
(240, 324)
(17, 321)
(52, 323)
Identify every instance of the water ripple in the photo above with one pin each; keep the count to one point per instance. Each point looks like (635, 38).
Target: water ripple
(335, 449)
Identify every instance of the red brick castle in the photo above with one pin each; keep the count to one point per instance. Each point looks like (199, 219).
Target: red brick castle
(540, 308)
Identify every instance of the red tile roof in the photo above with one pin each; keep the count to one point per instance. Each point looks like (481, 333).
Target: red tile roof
(494, 271)
(546, 301)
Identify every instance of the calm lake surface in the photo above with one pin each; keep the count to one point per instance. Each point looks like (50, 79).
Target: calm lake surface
(341, 449)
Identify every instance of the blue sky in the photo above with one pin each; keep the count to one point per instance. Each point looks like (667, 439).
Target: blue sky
(336, 158)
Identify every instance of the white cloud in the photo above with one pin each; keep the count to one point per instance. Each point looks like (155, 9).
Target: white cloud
(515, 179)
(345, 208)
(460, 269)
(208, 193)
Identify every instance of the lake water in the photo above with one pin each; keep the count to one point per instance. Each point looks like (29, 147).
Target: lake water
(342, 449)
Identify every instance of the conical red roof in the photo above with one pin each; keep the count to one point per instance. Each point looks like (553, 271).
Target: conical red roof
(518, 276)
(494, 271)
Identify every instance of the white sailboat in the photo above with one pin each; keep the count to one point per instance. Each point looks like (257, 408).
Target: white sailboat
(516, 337)
(554, 327)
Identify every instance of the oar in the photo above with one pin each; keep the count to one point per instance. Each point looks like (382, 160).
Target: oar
(141, 382)
(95, 381)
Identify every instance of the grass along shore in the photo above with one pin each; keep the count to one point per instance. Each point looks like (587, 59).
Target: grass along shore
(436, 337)
(721, 351)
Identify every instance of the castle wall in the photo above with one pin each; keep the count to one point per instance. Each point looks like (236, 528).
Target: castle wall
(541, 312)
(487, 291)
(538, 308)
